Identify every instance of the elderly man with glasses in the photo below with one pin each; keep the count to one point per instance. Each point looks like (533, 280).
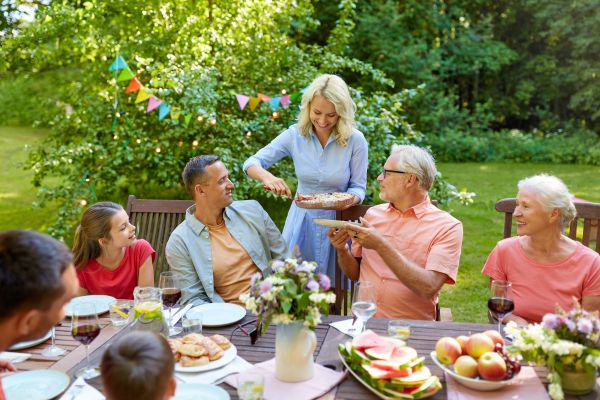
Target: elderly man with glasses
(407, 248)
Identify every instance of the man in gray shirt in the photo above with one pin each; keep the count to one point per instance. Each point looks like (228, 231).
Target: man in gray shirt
(222, 243)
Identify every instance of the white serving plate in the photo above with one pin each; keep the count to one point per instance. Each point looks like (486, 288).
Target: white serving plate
(31, 343)
(228, 356)
(43, 384)
(476, 384)
(100, 302)
(217, 314)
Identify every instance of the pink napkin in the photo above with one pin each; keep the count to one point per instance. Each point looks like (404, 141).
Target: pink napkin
(322, 382)
(526, 386)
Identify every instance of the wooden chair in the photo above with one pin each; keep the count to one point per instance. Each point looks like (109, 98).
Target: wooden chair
(588, 216)
(344, 287)
(155, 220)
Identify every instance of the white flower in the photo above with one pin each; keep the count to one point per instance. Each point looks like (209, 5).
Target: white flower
(282, 318)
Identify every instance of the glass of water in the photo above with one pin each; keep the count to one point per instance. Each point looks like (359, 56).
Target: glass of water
(364, 304)
(398, 329)
(251, 386)
(119, 312)
(192, 325)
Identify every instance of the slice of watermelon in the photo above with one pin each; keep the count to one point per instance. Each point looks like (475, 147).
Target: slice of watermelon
(368, 339)
(430, 386)
(380, 352)
(394, 363)
(417, 378)
(386, 365)
(405, 352)
(377, 373)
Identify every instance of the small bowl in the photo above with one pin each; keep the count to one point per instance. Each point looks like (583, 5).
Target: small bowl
(473, 383)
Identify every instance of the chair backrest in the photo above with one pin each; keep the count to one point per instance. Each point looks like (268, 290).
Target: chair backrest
(588, 214)
(155, 220)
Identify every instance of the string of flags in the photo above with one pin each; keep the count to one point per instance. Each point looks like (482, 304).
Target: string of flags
(123, 73)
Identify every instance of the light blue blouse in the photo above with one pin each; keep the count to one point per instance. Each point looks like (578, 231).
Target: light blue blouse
(319, 170)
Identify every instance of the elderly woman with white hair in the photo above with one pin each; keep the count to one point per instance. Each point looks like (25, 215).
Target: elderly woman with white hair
(544, 266)
(329, 155)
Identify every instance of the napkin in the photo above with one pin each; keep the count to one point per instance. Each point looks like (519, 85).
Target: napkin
(322, 382)
(212, 376)
(345, 326)
(80, 390)
(526, 386)
(14, 357)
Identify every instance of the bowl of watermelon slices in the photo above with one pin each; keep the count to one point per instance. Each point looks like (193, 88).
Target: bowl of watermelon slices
(387, 367)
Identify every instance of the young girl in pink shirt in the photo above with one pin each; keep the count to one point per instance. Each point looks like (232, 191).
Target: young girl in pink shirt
(110, 260)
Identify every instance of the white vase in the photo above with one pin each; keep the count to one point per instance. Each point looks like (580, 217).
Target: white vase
(294, 348)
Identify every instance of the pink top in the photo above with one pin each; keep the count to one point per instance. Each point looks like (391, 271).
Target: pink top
(424, 234)
(537, 288)
(120, 282)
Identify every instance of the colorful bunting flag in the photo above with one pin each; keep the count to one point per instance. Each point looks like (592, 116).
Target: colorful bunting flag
(274, 103)
(187, 119)
(118, 64)
(125, 75)
(285, 101)
(263, 97)
(133, 86)
(153, 103)
(163, 110)
(175, 112)
(242, 100)
(254, 101)
(142, 96)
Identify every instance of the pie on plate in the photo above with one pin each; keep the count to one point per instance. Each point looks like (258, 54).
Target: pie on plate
(325, 201)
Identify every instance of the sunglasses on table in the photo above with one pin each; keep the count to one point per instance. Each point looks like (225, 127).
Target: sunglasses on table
(254, 331)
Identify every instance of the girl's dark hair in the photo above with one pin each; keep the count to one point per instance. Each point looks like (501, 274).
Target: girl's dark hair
(138, 365)
(95, 225)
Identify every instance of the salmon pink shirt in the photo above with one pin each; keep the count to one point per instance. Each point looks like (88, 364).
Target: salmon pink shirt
(536, 287)
(424, 234)
(120, 282)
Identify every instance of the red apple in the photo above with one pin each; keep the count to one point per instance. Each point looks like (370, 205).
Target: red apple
(495, 336)
(462, 340)
(466, 366)
(478, 344)
(491, 366)
(447, 350)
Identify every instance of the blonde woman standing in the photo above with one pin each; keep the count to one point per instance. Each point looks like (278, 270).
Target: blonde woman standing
(329, 155)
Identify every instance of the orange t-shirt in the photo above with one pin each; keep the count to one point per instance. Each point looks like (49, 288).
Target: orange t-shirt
(537, 288)
(232, 266)
(424, 234)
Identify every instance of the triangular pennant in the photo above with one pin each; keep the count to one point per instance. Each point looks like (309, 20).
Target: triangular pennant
(142, 96)
(295, 97)
(175, 112)
(242, 100)
(153, 103)
(274, 103)
(285, 101)
(187, 119)
(163, 111)
(134, 86)
(125, 75)
(254, 101)
(118, 64)
(263, 97)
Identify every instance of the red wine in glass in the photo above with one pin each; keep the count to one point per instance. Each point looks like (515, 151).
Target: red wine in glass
(171, 296)
(85, 334)
(500, 302)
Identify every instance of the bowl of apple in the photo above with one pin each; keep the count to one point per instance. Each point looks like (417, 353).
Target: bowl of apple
(478, 362)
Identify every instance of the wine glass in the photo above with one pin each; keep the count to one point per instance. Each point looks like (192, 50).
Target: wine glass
(85, 328)
(53, 350)
(363, 304)
(500, 302)
(171, 294)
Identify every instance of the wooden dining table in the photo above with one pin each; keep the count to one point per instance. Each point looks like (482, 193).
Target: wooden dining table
(424, 335)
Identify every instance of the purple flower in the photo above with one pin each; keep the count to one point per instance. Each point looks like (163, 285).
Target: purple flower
(277, 265)
(312, 285)
(256, 276)
(304, 267)
(324, 282)
(551, 321)
(265, 286)
(584, 325)
(571, 325)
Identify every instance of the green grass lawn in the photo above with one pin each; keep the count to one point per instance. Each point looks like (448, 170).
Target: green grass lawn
(16, 191)
(482, 224)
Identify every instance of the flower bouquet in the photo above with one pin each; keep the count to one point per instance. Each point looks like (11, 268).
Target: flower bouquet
(293, 292)
(567, 343)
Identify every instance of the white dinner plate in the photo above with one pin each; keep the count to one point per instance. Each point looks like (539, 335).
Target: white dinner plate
(31, 343)
(195, 391)
(43, 384)
(333, 223)
(228, 356)
(217, 314)
(101, 303)
(476, 384)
